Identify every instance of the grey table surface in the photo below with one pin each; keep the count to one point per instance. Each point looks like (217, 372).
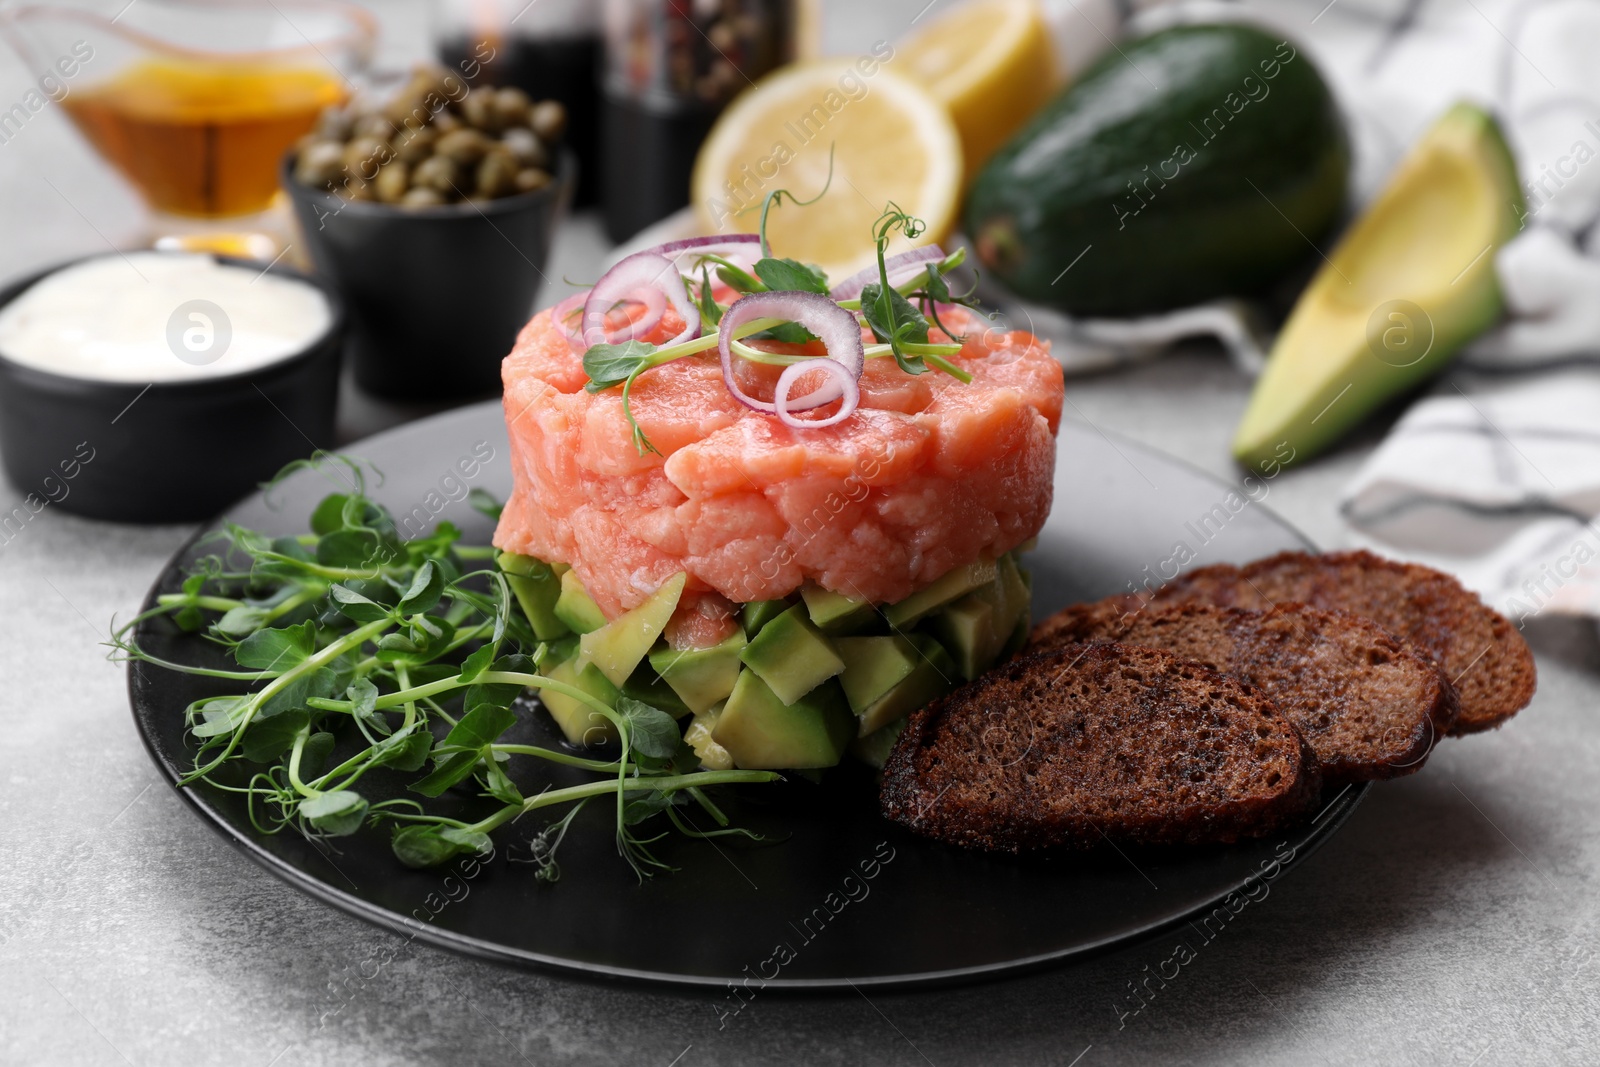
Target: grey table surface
(1452, 921)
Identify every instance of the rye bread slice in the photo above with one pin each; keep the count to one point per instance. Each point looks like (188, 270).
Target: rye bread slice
(1085, 743)
(1481, 653)
(1369, 705)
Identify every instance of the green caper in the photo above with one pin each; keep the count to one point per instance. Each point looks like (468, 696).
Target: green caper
(392, 182)
(320, 164)
(511, 107)
(439, 173)
(364, 155)
(420, 197)
(463, 146)
(525, 147)
(415, 145)
(355, 189)
(549, 120)
(477, 108)
(497, 174)
(531, 180)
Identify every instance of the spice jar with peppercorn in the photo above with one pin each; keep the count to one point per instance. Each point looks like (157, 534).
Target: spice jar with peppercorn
(670, 68)
(432, 213)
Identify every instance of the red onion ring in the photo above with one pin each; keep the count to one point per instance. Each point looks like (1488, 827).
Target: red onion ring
(898, 269)
(835, 327)
(746, 246)
(841, 385)
(642, 270)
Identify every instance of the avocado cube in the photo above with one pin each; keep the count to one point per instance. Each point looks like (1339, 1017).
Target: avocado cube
(873, 666)
(791, 655)
(761, 731)
(581, 724)
(713, 757)
(758, 613)
(537, 587)
(702, 677)
(932, 675)
(836, 613)
(618, 646)
(576, 607)
(873, 750)
(953, 585)
(968, 629)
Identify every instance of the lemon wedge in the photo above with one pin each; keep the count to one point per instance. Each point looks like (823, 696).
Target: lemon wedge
(990, 62)
(891, 140)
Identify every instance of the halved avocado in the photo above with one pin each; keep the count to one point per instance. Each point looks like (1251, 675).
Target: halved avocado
(581, 724)
(759, 730)
(702, 677)
(1410, 283)
(619, 646)
(955, 583)
(537, 587)
(576, 607)
(791, 655)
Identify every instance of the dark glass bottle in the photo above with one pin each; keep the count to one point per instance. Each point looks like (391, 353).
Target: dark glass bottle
(670, 68)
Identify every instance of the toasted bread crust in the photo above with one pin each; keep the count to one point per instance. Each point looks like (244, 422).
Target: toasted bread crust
(1084, 743)
(1481, 653)
(1370, 706)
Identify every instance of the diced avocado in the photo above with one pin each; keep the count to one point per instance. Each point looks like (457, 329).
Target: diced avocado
(933, 674)
(645, 685)
(618, 646)
(758, 613)
(968, 628)
(791, 655)
(581, 724)
(537, 587)
(1018, 586)
(761, 731)
(1410, 283)
(834, 612)
(713, 757)
(873, 750)
(576, 608)
(873, 666)
(702, 677)
(955, 583)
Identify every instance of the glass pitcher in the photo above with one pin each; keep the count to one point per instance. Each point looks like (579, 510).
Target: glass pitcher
(195, 102)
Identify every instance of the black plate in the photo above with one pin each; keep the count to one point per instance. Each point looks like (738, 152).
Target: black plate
(802, 914)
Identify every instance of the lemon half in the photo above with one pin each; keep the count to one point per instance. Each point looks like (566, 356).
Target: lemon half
(891, 140)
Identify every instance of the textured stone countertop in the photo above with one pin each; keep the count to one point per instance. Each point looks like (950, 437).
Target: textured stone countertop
(1452, 921)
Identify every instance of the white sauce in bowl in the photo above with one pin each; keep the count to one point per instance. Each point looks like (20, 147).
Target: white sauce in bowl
(160, 317)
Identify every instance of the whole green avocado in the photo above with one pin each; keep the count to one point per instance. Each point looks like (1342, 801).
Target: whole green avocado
(1195, 162)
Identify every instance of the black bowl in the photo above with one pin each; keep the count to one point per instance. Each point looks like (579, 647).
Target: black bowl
(436, 295)
(168, 451)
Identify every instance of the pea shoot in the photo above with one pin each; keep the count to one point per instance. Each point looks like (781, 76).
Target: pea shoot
(369, 662)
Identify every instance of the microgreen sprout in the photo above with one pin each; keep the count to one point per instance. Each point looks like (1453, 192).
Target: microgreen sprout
(399, 667)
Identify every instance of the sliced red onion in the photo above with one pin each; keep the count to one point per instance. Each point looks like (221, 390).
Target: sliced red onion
(835, 327)
(562, 312)
(642, 270)
(902, 267)
(841, 384)
(735, 246)
(655, 305)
